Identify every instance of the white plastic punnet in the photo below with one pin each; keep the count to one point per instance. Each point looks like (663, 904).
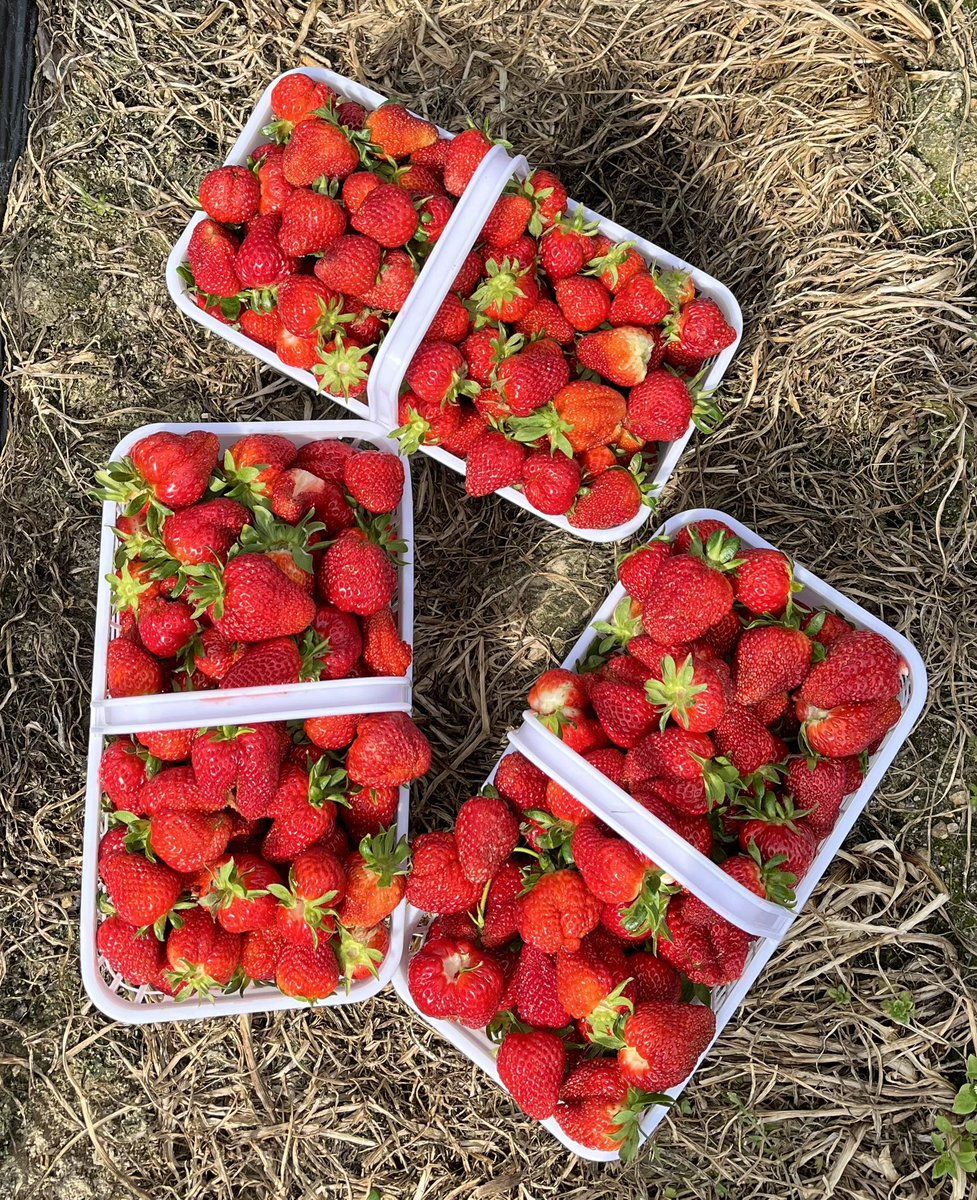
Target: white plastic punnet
(231, 706)
(696, 873)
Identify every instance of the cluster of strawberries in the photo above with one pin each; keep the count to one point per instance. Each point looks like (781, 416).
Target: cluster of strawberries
(734, 715)
(560, 361)
(255, 854)
(269, 565)
(312, 249)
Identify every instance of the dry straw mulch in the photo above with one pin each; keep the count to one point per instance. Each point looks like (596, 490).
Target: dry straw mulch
(770, 141)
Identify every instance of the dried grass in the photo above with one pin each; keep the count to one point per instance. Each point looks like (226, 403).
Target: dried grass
(764, 140)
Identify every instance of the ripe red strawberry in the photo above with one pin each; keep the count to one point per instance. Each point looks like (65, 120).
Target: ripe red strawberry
(612, 869)
(534, 990)
(235, 889)
(557, 912)
(325, 458)
(613, 498)
(425, 422)
(261, 950)
(770, 659)
(175, 788)
(521, 252)
(370, 811)
(621, 355)
(671, 753)
(387, 215)
(295, 98)
(531, 377)
(469, 275)
(434, 156)
(303, 809)
(361, 951)
(437, 372)
(394, 282)
(471, 426)
(547, 319)
(375, 879)
(558, 695)
(654, 978)
(564, 250)
(307, 973)
(689, 693)
(623, 711)
(698, 332)
(521, 782)
(131, 671)
(296, 493)
(310, 222)
(165, 626)
(825, 627)
(170, 469)
(763, 581)
(640, 301)
(451, 322)
(375, 479)
(584, 301)
(494, 462)
(638, 569)
(663, 1042)
(137, 957)
(185, 841)
(691, 594)
(507, 292)
(389, 751)
(661, 406)
(703, 945)
(384, 651)
(451, 979)
(703, 530)
(252, 600)
(397, 132)
(583, 416)
(318, 150)
(437, 882)
(531, 1065)
(262, 327)
(550, 481)
(256, 460)
(201, 956)
(260, 261)
(462, 157)
(766, 879)
(211, 253)
(818, 786)
(694, 828)
(316, 887)
(357, 575)
(275, 188)
(846, 729)
(861, 666)
(333, 732)
(230, 195)
(297, 351)
(343, 367)
(142, 892)
(615, 264)
(780, 835)
(508, 220)
(610, 1122)
(486, 833)
(169, 745)
(423, 181)
(271, 663)
(357, 187)
(742, 738)
(482, 350)
(350, 264)
(306, 306)
(122, 772)
(204, 532)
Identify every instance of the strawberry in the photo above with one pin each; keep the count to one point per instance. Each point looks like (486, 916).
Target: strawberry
(235, 889)
(211, 252)
(384, 651)
(462, 158)
(261, 950)
(583, 415)
(307, 973)
(306, 306)
(771, 710)
(451, 322)
(546, 318)
(482, 350)
(639, 301)
(425, 422)
(437, 881)
(699, 331)
(296, 493)
(275, 188)
(357, 187)
(692, 695)
(259, 764)
(387, 215)
(185, 841)
(638, 569)
(350, 264)
(764, 581)
(397, 132)
(437, 373)
(357, 575)
(370, 811)
(469, 275)
(131, 671)
(471, 426)
(846, 729)
(742, 738)
(563, 250)
(375, 879)
(534, 988)
(452, 979)
(260, 261)
(722, 637)
(663, 1042)
(137, 957)
(549, 199)
(703, 530)
(494, 462)
(331, 733)
(325, 458)
(671, 752)
(521, 782)
(294, 99)
(361, 951)
(770, 659)
(818, 786)
(230, 195)
(521, 252)
(252, 600)
(343, 367)
(297, 351)
(316, 887)
(778, 834)
(613, 498)
(623, 711)
(621, 355)
(165, 626)
(310, 222)
(615, 264)
(661, 406)
(255, 461)
(557, 912)
(375, 479)
(585, 302)
(550, 481)
(351, 114)
(508, 220)
(860, 666)
(600, 1111)
(558, 695)
(122, 772)
(165, 470)
(176, 789)
(507, 293)
(590, 985)
(303, 809)
(389, 751)
(318, 151)
(201, 956)
(654, 978)
(434, 156)
(825, 627)
(694, 828)
(692, 593)
(532, 376)
(204, 532)
(531, 1065)
(765, 879)
(486, 833)
(142, 892)
(701, 944)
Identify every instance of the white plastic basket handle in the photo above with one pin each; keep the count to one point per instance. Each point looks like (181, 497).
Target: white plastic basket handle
(440, 270)
(643, 830)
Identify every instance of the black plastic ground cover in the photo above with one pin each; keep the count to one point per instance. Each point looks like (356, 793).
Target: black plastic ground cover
(18, 23)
